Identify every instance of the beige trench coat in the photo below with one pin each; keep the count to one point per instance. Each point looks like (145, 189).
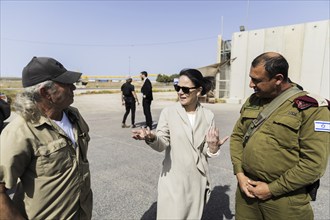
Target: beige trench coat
(183, 187)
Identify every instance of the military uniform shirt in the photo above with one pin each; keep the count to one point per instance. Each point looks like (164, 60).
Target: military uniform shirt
(286, 152)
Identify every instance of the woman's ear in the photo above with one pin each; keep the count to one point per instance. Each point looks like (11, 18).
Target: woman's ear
(199, 91)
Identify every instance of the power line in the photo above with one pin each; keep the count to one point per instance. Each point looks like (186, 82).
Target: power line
(109, 45)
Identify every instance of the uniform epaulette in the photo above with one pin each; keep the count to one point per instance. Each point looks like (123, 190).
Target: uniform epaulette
(310, 100)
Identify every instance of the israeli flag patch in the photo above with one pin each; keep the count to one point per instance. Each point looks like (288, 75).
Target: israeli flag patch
(322, 126)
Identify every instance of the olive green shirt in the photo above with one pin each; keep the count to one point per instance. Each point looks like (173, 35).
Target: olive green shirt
(286, 151)
(53, 172)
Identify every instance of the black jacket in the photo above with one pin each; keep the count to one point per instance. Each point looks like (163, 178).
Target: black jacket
(146, 90)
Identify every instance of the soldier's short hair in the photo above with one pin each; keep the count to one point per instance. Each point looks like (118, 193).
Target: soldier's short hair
(274, 63)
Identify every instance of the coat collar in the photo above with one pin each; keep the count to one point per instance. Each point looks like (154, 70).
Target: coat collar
(196, 135)
(186, 123)
(197, 132)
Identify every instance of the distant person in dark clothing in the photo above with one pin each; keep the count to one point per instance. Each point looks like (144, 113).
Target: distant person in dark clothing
(146, 91)
(4, 112)
(128, 98)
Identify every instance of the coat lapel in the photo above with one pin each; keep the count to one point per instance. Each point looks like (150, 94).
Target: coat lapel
(202, 124)
(186, 124)
(196, 135)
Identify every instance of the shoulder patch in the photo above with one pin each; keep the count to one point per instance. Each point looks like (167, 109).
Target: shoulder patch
(321, 101)
(322, 126)
(310, 100)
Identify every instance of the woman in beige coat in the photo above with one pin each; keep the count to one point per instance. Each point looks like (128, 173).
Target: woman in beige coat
(187, 133)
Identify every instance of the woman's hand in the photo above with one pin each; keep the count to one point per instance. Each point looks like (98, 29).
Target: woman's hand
(143, 134)
(213, 141)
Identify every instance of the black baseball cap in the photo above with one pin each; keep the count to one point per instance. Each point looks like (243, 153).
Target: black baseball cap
(41, 69)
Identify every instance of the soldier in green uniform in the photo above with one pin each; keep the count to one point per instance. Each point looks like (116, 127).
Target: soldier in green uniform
(286, 152)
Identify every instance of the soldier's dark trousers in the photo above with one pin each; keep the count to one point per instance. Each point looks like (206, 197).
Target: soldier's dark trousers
(294, 206)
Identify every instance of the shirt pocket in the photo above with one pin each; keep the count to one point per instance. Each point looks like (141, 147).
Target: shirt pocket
(54, 157)
(285, 131)
(248, 115)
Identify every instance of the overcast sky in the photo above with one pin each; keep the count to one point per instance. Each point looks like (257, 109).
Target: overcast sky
(127, 37)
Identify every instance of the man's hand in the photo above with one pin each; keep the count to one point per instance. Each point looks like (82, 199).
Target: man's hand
(8, 209)
(244, 184)
(259, 189)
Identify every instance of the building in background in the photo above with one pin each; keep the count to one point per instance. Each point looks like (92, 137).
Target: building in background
(305, 46)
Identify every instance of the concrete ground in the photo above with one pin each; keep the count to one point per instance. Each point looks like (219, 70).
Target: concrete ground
(125, 171)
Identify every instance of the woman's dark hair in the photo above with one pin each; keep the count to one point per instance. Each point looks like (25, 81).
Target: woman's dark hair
(198, 80)
(274, 63)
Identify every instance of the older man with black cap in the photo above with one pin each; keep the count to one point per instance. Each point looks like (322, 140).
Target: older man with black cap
(45, 148)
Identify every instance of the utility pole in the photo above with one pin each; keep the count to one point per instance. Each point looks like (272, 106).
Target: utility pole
(129, 65)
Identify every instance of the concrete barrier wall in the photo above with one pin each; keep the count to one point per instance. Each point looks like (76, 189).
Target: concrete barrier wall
(305, 46)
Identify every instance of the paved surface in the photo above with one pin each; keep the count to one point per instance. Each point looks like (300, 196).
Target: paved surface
(125, 171)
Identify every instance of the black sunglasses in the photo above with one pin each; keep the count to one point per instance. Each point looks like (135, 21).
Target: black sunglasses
(184, 89)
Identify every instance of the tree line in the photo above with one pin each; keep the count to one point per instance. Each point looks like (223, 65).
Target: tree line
(165, 78)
